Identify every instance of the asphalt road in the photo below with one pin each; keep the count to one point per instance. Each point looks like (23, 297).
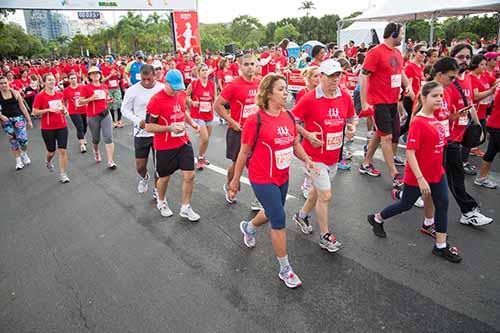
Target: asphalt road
(95, 256)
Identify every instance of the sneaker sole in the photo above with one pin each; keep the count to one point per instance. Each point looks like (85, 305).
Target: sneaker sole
(244, 237)
(488, 187)
(187, 217)
(256, 209)
(304, 228)
(335, 249)
(363, 172)
(425, 232)
(438, 254)
(291, 286)
(475, 225)
(229, 201)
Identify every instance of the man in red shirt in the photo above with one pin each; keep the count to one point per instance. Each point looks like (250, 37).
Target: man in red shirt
(352, 50)
(240, 96)
(186, 67)
(268, 60)
(381, 81)
(324, 112)
(166, 117)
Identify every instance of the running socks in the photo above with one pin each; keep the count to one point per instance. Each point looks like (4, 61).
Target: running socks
(428, 222)
(283, 261)
(251, 228)
(441, 245)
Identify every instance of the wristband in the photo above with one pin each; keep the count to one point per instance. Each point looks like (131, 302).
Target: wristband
(421, 177)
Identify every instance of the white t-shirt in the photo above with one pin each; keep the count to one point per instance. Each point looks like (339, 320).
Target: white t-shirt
(134, 105)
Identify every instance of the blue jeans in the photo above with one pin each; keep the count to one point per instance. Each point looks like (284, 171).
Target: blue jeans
(439, 193)
(272, 198)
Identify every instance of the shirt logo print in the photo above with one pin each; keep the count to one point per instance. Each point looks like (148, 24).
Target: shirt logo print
(283, 131)
(333, 113)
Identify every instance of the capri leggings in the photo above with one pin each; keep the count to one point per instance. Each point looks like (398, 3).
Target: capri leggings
(98, 123)
(493, 144)
(15, 128)
(55, 137)
(272, 198)
(80, 122)
(439, 192)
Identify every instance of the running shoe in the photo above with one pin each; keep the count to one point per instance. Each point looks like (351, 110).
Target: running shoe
(226, 193)
(19, 163)
(64, 178)
(398, 193)
(25, 158)
(50, 166)
(303, 223)
(199, 165)
(347, 155)
(164, 209)
(419, 203)
(83, 148)
(188, 213)
(429, 230)
(449, 253)
(97, 156)
(329, 242)
(205, 161)
(256, 206)
(369, 170)
(398, 161)
(485, 182)
(477, 152)
(397, 181)
(469, 169)
(248, 237)
(142, 187)
(290, 279)
(378, 228)
(112, 165)
(475, 218)
(344, 165)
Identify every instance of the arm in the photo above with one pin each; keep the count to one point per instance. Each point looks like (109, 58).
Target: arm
(312, 137)
(190, 121)
(407, 86)
(23, 109)
(363, 88)
(422, 183)
(478, 96)
(241, 161)
(152, 125)
(189, 100)
(221, 111)
(299, 152)
(128, 110)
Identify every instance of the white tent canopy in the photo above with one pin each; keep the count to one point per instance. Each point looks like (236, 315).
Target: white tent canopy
(361, 32)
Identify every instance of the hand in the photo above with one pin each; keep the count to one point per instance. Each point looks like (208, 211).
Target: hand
(235, 126)
(234, 188)
(310, 165)
(196, 104)
(312, 137)
(178, 128)
(425, 189)
(410, 93)
(30, 124)
(351, 130)
(196, 127)
(3, 118)
(142, 124)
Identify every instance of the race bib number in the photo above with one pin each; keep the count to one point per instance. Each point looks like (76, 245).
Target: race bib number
(249, 110)
(55, 105)
(205, 106)
(283, 158)
(396, 81)
(334, 140)
(228, 78)
(113, 83)
(138, 76)
(101, 94)
(77, 101)
(187, 76)
(463, 120)
(446, 126)
(177, 135)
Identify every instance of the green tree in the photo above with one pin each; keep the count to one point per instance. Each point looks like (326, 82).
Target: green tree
(307, 6)
(244, 28)
(287, 31)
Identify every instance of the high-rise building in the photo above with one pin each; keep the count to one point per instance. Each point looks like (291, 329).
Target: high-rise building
(46, 24)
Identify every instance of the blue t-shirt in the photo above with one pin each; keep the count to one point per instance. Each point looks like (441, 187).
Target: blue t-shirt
(135, 72)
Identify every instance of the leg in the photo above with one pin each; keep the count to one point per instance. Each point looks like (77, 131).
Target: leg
(204, 135)
(322, 203)
(372, 147)
(95, 130)
(62, 143)
(187, 186)
(77, 121)
(161, 186)
(107, 133)
(410, 195)
(141, 165)
(63, 160)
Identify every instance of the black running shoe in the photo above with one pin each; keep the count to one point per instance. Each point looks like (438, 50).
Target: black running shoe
(378, 228)
(448, 253)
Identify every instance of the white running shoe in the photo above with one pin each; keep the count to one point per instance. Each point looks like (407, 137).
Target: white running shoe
(64, 178)
(475, 218)
(19, 163)
(419, 203)
(189, 214)
(290, 279)
(165, 211)
(83, 148)
(25, 158)
(248, 237)
(112, 165)
(226, 193)
(142, 187)
(49, 166)
(256, 205)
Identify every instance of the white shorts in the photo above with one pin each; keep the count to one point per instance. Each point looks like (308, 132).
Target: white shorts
(202, 122)
(322, 178)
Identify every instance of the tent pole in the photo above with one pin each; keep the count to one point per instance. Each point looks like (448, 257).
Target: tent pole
(339, 27)
(498, 35)
(431, 37)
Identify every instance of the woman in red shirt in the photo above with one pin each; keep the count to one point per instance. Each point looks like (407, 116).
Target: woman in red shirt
(96, 96)
(268, 142)
(424, 172)
(49, 104)
(77, 111)
(200, 98)
(224, 74)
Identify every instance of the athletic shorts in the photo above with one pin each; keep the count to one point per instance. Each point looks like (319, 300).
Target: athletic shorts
(116, 94)
(142, 146)
(202, 122)
(55, 137)
(387, 120)
(233, 144)
(171, 160)
(493, 144)
(322, 178)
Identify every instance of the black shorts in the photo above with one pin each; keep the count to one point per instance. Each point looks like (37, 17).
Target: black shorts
(493, 144)
(142, 146)
(387, 120)
(171, 160)
(233, 144)
(53, 137)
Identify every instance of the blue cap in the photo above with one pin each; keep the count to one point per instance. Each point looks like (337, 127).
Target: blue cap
(175, 79)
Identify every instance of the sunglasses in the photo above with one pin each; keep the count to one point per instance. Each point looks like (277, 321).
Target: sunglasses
(249, 64)
(158, 69)
(462, 57)
(422, 52)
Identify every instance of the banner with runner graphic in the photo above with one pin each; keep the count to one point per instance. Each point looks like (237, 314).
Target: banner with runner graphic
(187, 36)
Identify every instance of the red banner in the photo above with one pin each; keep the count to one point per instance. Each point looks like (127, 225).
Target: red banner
(187, 35)
(295, 80)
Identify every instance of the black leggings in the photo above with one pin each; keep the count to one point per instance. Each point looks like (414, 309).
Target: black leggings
(408, 106)
(53, 137)
(466, 150)
(493, 145)
(118, 113)
(80, 122)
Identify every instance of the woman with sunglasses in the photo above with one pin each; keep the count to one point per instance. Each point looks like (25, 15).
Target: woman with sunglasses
(77, 111)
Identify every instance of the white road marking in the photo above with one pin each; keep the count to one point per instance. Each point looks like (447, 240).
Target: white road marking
(365, 139)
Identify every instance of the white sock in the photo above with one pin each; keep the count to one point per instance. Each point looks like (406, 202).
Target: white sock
(440, 245)
(378, 218)
(283, 262)
(302, 215)
(428, 222)
(160, 202)
(184, 207)
(18, 159)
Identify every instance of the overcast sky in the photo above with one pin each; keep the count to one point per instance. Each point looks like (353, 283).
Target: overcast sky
(219, 11)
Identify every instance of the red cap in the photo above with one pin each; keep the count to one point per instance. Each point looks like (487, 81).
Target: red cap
(491, 55)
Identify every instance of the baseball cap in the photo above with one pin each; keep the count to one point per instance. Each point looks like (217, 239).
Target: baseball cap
(174, 78)
(139, 54)
(330, 67)
(94, 69)
(157, 64)
(491, 55)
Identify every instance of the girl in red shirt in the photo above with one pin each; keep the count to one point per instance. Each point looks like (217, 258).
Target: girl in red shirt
(49, 104)
(224, 74)
(424, 172)
(201, 95)
(77, 111)
(268, 142)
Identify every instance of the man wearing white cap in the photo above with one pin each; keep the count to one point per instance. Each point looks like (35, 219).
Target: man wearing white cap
(166, 117)
(323, 112)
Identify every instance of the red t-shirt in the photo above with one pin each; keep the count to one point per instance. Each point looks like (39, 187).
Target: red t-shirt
(270, 67)
(415, 73)
(386, 67)
(170, 110)
(270, 160)
(97, 106)
(494, 118)
(301, 94)
(457, 126)
(226, 76)
(71, 68)
(235, 69)
(186, 70)
(114, 80)
(16, 85)
(50, 120)
(352, 51)
(427, 137)
(442, 114)
(326, 116)
(241, 97)
(206, 97)
(71, 95)
(481, 84)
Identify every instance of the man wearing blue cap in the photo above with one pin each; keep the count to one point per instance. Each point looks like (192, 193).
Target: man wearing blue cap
(166, 117)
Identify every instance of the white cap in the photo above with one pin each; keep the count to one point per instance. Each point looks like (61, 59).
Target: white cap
(330, 67)
(157, 64)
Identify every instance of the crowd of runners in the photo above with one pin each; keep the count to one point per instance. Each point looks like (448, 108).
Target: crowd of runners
(443, 104)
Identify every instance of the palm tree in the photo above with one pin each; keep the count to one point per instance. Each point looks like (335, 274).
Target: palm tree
(307, 6)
